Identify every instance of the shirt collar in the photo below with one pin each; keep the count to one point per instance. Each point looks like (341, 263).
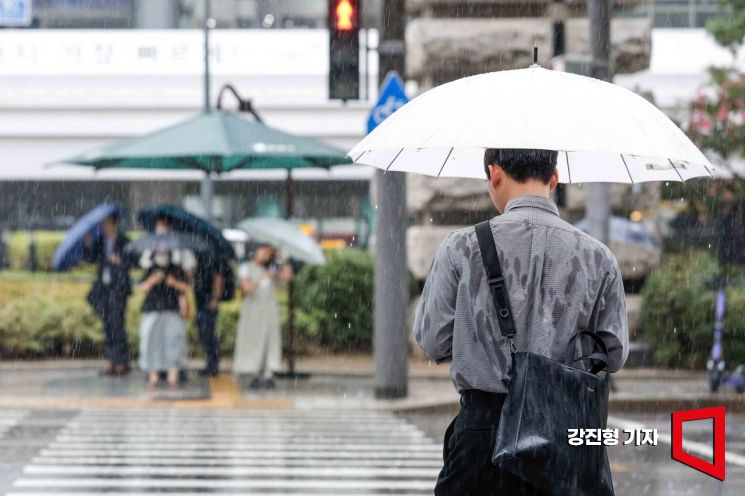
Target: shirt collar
(528, 201)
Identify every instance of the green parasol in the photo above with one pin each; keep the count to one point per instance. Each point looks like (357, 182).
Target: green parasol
(214, 142)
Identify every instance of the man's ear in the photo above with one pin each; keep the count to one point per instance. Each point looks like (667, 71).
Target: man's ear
(554, 181)
(495, 175)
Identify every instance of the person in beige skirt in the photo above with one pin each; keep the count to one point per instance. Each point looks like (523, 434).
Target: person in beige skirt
(258, 341)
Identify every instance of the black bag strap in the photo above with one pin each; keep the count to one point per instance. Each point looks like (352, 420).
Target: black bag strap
(495, 279)
(600, 358)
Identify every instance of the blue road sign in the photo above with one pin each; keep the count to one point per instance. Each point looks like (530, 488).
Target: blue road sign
(15, 12)
(392, 97)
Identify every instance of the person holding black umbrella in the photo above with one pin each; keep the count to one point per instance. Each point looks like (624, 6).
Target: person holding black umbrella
(110, 291)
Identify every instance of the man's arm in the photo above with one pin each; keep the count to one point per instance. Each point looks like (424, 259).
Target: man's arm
(613, 325)
(435, 313)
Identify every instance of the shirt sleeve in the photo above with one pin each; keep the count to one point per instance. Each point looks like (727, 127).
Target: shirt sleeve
(435, 313)
(613, 325)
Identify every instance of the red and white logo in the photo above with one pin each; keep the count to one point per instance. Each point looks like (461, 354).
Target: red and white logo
(716, 469)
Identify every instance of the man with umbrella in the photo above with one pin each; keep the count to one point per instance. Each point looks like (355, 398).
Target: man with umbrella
(522, 285)
(110, 291)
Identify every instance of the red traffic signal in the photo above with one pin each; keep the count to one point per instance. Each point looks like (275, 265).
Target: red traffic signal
(344, 49)
(344, 15)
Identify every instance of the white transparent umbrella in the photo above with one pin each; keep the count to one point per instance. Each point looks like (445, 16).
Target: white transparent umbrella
(603, 132)
(285, 236)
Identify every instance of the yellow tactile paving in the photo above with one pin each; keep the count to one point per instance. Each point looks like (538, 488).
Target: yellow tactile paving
(225, 394)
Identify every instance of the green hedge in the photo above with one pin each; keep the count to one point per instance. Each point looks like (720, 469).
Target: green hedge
(47, 314)
(18, 248)
(677, 314)
(334, 301)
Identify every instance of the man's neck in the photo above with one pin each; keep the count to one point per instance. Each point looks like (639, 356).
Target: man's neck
(528, 188)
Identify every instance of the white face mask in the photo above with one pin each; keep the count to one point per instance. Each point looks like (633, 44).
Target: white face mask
(161, 229)
(162, 259)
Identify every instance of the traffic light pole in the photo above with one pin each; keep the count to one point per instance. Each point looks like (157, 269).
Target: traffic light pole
(390, 339)
(597, 203)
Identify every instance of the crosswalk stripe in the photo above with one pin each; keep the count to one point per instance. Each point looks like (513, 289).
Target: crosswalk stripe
(218, 447)
(344, 492)
(235, 462)
(245, 453)
(100, 483)
(349, 472)
(190, 453)
(321, 438)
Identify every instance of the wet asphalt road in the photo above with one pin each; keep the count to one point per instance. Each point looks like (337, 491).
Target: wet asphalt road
(84, 448)
(649, 470)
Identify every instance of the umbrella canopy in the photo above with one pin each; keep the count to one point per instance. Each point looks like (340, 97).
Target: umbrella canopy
(214, 142)
(70, 252)
(286, 236)
(189, 223)
(604, 133)
(171, 241)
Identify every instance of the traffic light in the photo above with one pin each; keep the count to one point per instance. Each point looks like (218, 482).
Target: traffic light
(344, 49)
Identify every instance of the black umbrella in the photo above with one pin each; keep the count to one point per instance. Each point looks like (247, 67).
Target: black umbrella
(170, 241)
(188, 223)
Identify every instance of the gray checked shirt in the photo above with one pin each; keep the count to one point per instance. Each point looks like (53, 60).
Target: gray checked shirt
(553, 273)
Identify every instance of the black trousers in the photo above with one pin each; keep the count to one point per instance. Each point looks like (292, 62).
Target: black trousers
(116, 348)
(467, 452)
(206, 321)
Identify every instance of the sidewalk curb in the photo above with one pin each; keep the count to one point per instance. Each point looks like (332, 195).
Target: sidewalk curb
(733, 404)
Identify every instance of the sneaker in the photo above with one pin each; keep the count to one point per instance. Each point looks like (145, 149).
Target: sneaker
(208, 373)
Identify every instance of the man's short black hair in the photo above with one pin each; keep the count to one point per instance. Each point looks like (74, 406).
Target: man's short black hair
(522, 164)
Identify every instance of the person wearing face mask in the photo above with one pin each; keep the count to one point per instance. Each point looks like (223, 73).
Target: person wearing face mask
(162, 327)
(258, 343)
(110, 291)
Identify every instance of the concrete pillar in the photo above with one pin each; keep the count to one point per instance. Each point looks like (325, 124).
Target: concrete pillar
(158, 14)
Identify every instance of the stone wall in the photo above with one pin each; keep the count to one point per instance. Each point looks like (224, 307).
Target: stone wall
(439, 50)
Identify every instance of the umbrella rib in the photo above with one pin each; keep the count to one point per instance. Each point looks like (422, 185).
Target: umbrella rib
(360, 155)
(569, 170)
(627, 168)
(394, 159)
(676, 170)
(445, 162)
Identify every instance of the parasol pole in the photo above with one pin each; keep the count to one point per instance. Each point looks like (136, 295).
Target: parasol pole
(290, 199)
(207, 186)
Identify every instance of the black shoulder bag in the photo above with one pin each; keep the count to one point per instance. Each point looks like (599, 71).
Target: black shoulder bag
(546, 398)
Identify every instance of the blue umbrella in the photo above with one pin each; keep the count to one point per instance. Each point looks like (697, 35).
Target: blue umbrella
(70, 252)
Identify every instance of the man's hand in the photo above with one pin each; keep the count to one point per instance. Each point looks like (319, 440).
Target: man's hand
(212, 305)
(114, 258)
